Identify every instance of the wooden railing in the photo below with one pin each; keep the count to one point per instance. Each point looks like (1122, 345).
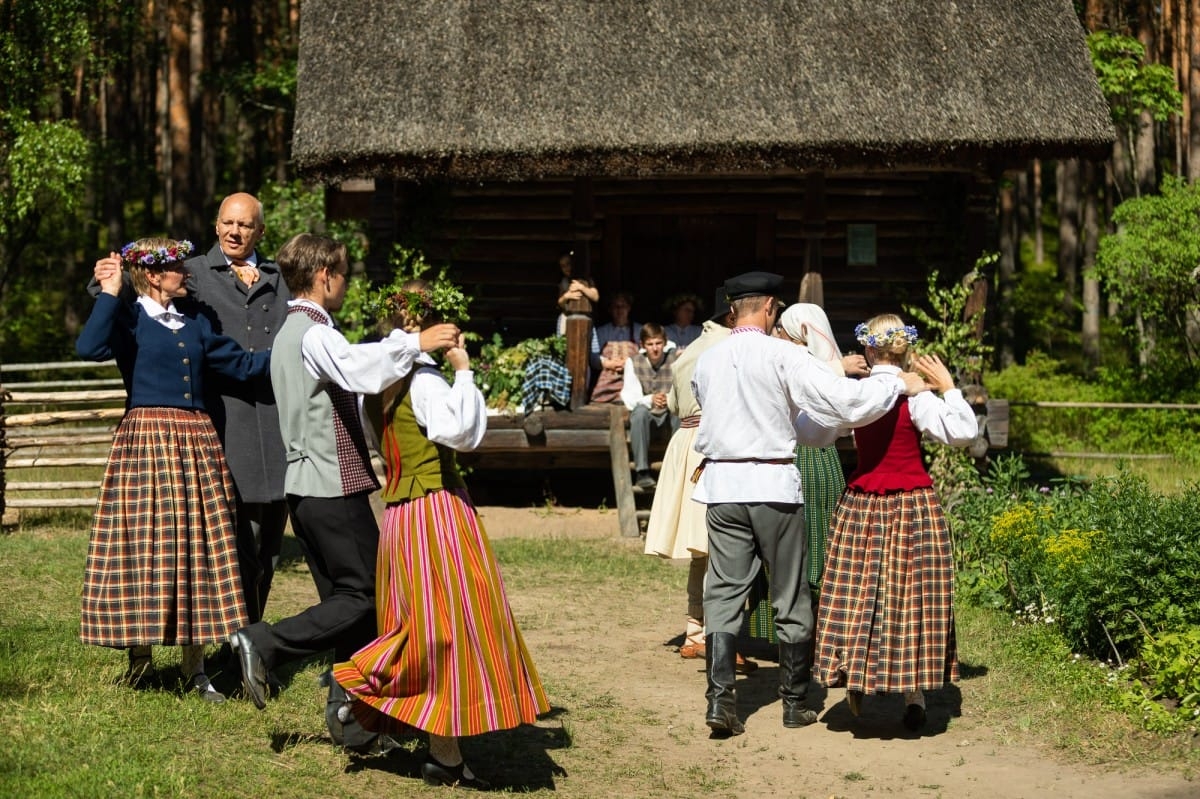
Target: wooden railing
(61, 425)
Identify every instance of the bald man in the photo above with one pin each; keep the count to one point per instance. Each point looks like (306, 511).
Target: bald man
(243, 295)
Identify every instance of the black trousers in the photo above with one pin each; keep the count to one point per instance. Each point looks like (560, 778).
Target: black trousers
(260, 527)
(340, 538)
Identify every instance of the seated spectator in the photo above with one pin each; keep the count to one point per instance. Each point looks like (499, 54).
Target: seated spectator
(646, 383)
(612, 344)
(683, 309)
(571, 289)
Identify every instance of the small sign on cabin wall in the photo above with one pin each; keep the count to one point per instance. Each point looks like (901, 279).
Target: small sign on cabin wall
(860, 245)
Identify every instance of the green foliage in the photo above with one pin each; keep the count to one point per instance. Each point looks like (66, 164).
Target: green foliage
(501, 369)
(1130, 85)
(291, 208)
(46, 165)
(947, 329)
(1169, 670)
(1113, 430)
(1148, 266)
(368, 308)
(1103, 563)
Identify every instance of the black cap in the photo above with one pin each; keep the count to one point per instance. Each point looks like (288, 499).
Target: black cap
(720, 305)
(753, 284)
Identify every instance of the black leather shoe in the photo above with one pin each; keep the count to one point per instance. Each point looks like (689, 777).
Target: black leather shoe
(202, 686)
(434, 773)
(914, 717)
(254, 670)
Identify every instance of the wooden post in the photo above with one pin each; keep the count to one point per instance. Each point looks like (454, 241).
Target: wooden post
(618, 451)
(3, 451)
(815, 211)
(579, 345)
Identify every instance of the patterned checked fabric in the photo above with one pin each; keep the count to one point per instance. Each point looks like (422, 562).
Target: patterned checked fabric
(354, 461)
(886, 619)
(162, 563)
(822, 481)
(450, 658)
(546, 381)
(655, 380)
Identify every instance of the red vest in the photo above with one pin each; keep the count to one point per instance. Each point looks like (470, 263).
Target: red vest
(889, 454)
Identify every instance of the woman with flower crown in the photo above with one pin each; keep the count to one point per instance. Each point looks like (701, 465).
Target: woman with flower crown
(449, 659)
(886, 617)
(162, 564)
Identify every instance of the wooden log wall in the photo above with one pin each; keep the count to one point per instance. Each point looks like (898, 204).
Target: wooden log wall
(656, 237)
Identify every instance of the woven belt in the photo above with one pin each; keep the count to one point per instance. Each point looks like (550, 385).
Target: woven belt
(706, 461)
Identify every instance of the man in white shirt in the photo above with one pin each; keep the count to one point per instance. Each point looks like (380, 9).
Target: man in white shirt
(319, 378)
(760, 395)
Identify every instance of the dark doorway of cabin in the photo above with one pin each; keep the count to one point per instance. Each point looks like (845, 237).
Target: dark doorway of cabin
(663, 255)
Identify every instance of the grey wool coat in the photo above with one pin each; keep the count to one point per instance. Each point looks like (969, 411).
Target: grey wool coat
(244, 413)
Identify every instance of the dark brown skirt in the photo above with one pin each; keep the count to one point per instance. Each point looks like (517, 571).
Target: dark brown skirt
(162, 563)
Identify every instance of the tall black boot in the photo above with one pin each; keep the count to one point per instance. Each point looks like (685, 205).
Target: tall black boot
(720, 656)
(795, 672)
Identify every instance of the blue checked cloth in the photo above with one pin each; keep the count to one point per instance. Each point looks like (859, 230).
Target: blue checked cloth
(546, 381)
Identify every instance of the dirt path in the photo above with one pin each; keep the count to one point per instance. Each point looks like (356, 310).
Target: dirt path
(625, 648)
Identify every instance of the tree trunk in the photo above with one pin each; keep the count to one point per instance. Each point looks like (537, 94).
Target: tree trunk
(1067, 174)
(178, 139)
(1007, 269)
(1039, 245)
(1144, 143)
(1090, 331)
(1193, 92)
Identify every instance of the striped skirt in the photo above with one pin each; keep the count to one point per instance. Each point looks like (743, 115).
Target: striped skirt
(450, 659)
(886, 618)
(162, 564)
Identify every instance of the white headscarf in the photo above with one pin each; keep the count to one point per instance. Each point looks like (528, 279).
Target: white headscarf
(807, 324)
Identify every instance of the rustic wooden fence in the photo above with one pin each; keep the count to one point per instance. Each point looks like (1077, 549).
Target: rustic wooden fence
(54, 427)
(61, 426)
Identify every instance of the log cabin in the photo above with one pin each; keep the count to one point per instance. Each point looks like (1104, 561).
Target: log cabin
(851, 145)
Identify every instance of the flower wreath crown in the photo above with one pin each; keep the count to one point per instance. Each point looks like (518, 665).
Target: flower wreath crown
(442, 299)
(131, 254)
(889, 337)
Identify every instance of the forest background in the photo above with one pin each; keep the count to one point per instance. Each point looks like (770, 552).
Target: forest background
(120, 119)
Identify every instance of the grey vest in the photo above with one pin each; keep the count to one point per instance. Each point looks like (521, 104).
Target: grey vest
(310, 420)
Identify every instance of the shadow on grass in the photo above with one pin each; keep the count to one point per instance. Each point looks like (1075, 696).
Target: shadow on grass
(516, 760)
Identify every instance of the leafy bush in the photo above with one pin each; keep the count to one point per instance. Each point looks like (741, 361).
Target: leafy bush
(501, 369)
(1169, 668)
(1106, 563)
(291, 208)
(368, 308)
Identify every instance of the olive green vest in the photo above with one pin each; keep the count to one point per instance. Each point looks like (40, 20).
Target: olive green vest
(415, 465)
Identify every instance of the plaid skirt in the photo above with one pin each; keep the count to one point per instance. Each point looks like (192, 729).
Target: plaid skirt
(162, 564)
(886, 617)
(449, 659)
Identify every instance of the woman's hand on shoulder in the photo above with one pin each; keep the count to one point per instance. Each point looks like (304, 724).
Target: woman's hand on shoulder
(457, 356)
(935, 372)
(855, 365)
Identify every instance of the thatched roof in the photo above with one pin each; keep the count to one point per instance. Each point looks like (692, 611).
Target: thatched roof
(510, 89)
